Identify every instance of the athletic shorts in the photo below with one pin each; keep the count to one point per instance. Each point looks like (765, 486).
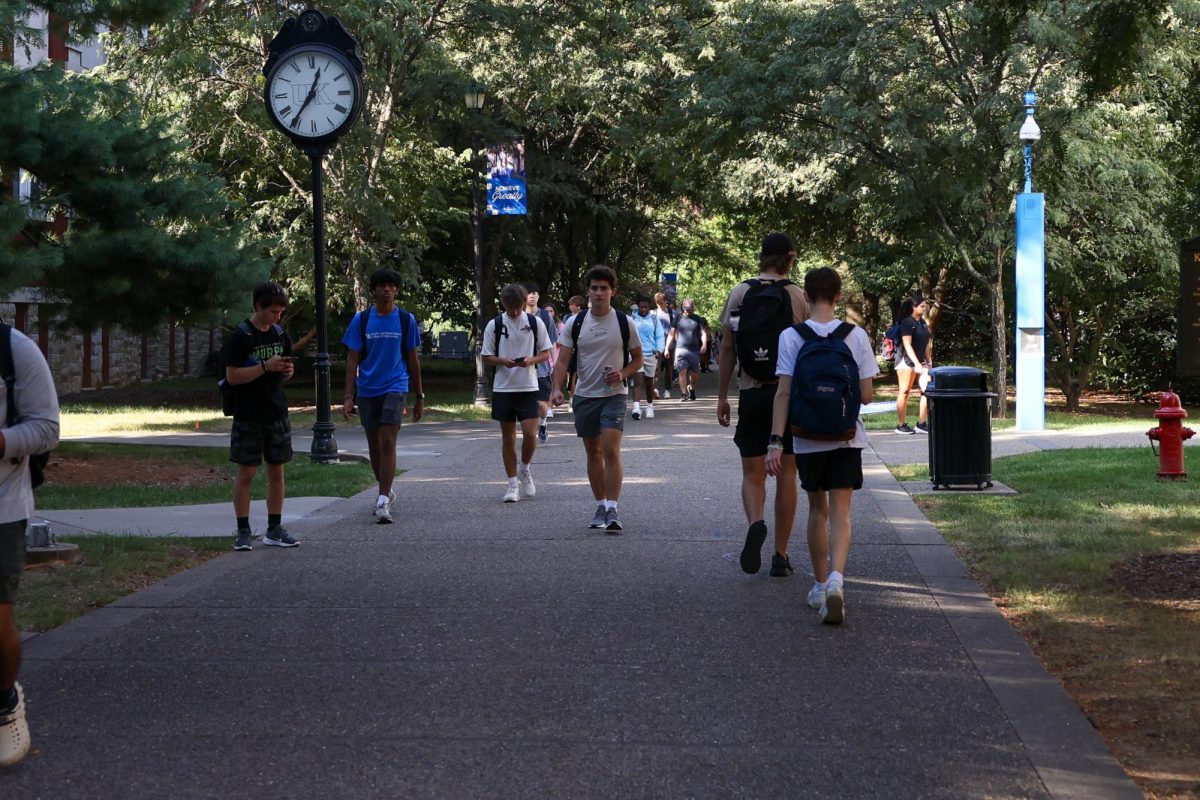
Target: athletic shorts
(754, 411)
(593, 414)
(12, 559)
(830, 469)
(686, 359)
(514, 406)
(386, 409)
(543, 392)
(650, 366)
(251, 443)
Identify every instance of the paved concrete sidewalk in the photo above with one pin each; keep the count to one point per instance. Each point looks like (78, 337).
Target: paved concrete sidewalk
(477, 649)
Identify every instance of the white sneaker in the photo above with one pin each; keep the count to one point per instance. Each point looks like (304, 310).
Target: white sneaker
(650, 412)
(391, 495)
(637, 411)
(14, 733)
(816, 596)
(527, 487)
(549, 413)
(666, 395)
(833, 612)
(383, 511)
(514, 492)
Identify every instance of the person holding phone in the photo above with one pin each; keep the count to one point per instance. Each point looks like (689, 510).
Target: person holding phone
(516, 343)
(258, 359)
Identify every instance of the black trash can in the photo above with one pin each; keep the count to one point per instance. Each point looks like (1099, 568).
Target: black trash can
(960, 428)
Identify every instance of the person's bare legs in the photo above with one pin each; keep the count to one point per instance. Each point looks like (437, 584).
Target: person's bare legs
(10, 648)
(787, 494)
(905, 379)
(839, 527)
(276, 488)
(241, 489)
(529, 442)
(754, 487)
(595, 466)
(923, 407)
(818, 535)
(508, 445)
(383, 457)
(614, 470)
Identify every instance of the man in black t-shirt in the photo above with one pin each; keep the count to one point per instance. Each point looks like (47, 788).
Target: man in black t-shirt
(258, 359)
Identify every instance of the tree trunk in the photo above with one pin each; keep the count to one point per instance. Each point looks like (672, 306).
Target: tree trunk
(999, 348)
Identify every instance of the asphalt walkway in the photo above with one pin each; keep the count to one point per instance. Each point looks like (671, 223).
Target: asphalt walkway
(482, 650)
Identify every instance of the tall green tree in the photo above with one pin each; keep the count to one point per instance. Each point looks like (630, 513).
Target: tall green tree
(913, 103)
(150, 234)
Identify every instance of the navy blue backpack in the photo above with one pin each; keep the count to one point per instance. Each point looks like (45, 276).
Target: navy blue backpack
(825, 396)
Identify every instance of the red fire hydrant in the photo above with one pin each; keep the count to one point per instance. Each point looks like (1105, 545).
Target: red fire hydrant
(1171, 434)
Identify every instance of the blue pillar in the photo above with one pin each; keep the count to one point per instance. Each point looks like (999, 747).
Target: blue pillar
(1031, 310)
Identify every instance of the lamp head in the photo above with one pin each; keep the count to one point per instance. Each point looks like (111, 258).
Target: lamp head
(1030, 132)
(474, 97)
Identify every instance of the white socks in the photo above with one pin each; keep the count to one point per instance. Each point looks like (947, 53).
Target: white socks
(609, 505)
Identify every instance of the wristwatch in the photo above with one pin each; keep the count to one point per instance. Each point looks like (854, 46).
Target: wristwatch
(775, 442)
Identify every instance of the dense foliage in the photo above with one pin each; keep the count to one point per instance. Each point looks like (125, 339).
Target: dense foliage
(660, 137)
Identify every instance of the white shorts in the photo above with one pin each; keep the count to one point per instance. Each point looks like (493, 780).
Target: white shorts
(650, 367)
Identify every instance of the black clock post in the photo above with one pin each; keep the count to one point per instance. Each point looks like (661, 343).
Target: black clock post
(314, 94)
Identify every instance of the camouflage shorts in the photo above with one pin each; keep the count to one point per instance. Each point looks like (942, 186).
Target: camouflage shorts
(253, 442)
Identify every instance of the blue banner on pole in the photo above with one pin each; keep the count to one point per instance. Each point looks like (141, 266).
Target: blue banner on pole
(506, 190)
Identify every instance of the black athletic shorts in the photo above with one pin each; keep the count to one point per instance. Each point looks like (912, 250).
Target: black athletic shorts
(755, 407)
(12, 559)
(830, 469)
(543, 392)
(514, 406)
(251, 443)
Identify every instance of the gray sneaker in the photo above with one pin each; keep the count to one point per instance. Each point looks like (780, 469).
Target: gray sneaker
(244, 540)
(278, 536)
(611, 523)
(598, 519)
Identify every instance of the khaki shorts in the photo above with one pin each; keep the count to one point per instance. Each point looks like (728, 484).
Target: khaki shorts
(650, 366)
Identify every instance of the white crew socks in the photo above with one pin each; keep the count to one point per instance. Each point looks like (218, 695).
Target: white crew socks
(610, 505)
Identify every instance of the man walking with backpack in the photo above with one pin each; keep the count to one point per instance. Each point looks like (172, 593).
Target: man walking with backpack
(756, 312)
(532, 296)
(381, 366)
(825, 369)
(516, 344)
(30, 427)
(608, 356)
(258, 359)
(654, 339)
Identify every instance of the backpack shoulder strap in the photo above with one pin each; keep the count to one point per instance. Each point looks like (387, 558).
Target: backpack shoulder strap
(843, 330)
(363, 317)
(403, 318)
(623, 324)
(806, 333)
(533, 323)
(577, 328)
(497, 332)
(245, 328)
(9, 373)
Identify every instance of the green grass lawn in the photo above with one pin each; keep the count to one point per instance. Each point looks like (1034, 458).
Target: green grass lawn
(111, 567)
(1048, 555)
(209, 477)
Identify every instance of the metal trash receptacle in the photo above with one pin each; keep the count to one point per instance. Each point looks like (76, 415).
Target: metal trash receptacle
(960, 428)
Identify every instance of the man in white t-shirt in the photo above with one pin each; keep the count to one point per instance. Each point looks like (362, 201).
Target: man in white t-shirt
(515, 343)
(601, 336)
(830, 471)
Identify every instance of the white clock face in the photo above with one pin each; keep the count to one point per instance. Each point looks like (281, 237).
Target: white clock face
(312, 93)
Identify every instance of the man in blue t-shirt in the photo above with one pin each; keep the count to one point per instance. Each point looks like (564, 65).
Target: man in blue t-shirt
(380, 370)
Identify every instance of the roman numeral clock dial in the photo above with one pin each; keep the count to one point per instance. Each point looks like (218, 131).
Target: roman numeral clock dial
(313, 94)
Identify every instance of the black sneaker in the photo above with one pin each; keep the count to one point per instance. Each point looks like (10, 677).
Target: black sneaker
(278, 536)
(244, 540)
(781, 566)
(542, 434)
(611, 523)
(904, 430)
(691, 393)
(751, 559)
(922, 427)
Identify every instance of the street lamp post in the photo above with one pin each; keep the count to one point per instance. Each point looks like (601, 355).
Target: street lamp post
(1031, 288)
(474, 97)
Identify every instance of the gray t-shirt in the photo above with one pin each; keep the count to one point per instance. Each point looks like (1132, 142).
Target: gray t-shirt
(688, 333)
(599, 346)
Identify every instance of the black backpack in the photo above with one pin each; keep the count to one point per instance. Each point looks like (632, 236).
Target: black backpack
(766, 311)
(37, 461)
(227, 391)
(577, 328)
(500, 330)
